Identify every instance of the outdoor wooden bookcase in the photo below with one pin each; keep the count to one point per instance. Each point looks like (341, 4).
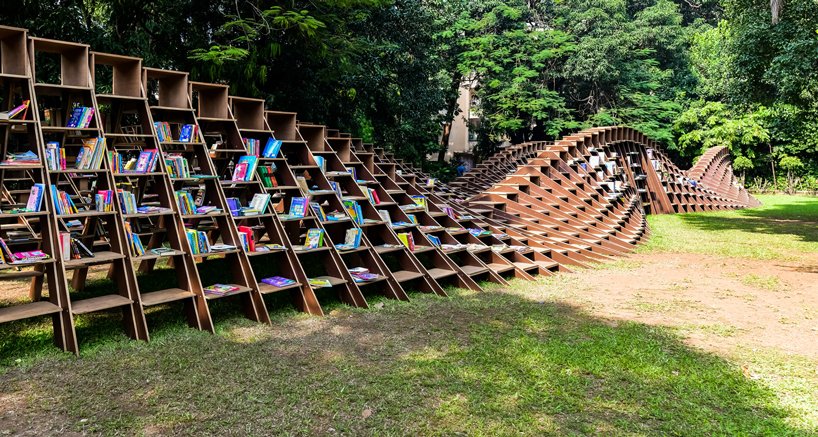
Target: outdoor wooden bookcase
(532, 209)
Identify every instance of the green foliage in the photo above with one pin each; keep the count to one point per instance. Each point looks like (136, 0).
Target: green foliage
(742, 164)
(713, 124)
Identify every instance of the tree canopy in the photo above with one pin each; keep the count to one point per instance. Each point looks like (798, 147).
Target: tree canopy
(689, 74)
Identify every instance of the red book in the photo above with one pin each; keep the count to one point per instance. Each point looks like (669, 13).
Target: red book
(246, 230)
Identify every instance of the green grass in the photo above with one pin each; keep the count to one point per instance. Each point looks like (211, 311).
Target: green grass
(784, 228)
(500, 362)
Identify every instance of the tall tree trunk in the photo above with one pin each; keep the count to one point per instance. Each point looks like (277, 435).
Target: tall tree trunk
(775, 9)
(452, 111)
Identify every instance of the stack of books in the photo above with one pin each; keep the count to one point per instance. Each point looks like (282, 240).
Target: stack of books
(163, 132)
(220, 289)
(278, 281)
(54, 156)
(354, 211)
(408, 240)
(361, 274)
(35, 198)
(23, 158)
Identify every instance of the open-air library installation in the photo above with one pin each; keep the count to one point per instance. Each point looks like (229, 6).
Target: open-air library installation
(132, 172)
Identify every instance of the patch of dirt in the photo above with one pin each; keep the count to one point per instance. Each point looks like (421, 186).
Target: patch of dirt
(716, 303)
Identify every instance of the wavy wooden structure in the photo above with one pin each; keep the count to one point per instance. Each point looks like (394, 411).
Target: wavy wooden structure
(532, 209)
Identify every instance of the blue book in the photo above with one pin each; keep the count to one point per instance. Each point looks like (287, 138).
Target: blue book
(272, 148)
(252, 163)
(234, 205)
(184, 135)
(76, 115)
(298, 206)
(320, 162)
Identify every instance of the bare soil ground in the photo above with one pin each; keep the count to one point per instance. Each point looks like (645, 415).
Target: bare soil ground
(719, 303)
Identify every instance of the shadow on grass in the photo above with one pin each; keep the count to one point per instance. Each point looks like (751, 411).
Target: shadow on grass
(796, 216)
(485, 364)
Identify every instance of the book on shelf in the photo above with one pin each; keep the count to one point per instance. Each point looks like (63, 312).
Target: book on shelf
(63, 205)
(373, 196)
(13, 113)
(434, 240)
(81, 117)
(184, 199)
(64, 240)
(127, 202)
(162, 251)
(234, 206)
(248, 239)
(272, 148)
(354, 210)
(222, 247)
(269, 247)
(146, 162)
(258, 203)
(134, 241)
(163, 131)
(321, 163)
(420, 201)
(450, 212)
(408, 240)
(352, 240)
(278, 281)
(353, 172)
(361, 274)
(336, 216)
(335, 186)
(35, 198)
(412, 218)
(253, 146)
(318, 211)
(21, 158)
(91, 154)
(54, 156)
(249, 164)
(385, 215)
(298, 207)
(301, 182)
(319, 283)
(314, 238)
(188, 133)
(104, 200)
(220, 289)
(267, 175)
(198, 241)
(73, 248)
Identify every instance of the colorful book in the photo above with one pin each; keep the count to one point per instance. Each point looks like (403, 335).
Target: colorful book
(314, 239)
(278, 281)
(35, 198)
(298, 206)
(272, 148)
(318, 211)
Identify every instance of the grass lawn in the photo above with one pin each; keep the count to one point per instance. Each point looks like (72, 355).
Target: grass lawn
(534, 358)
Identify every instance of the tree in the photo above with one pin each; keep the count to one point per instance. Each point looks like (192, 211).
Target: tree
(793, 166)
(741, 164)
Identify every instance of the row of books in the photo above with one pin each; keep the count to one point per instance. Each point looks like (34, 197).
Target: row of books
(144, 163)
(198, 241)
(81, 117)
(408, 240)
(137, 248)
(104, 200)
(177, 166)
(54, 156)
(127, 202)
(188, 206)
(247, 238)
(333, 216)
(91, 154)
(253, 146)
(62, 202)
(267, 175)
(187, 133)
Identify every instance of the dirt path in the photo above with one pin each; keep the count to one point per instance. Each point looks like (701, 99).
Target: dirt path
(718, 304)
